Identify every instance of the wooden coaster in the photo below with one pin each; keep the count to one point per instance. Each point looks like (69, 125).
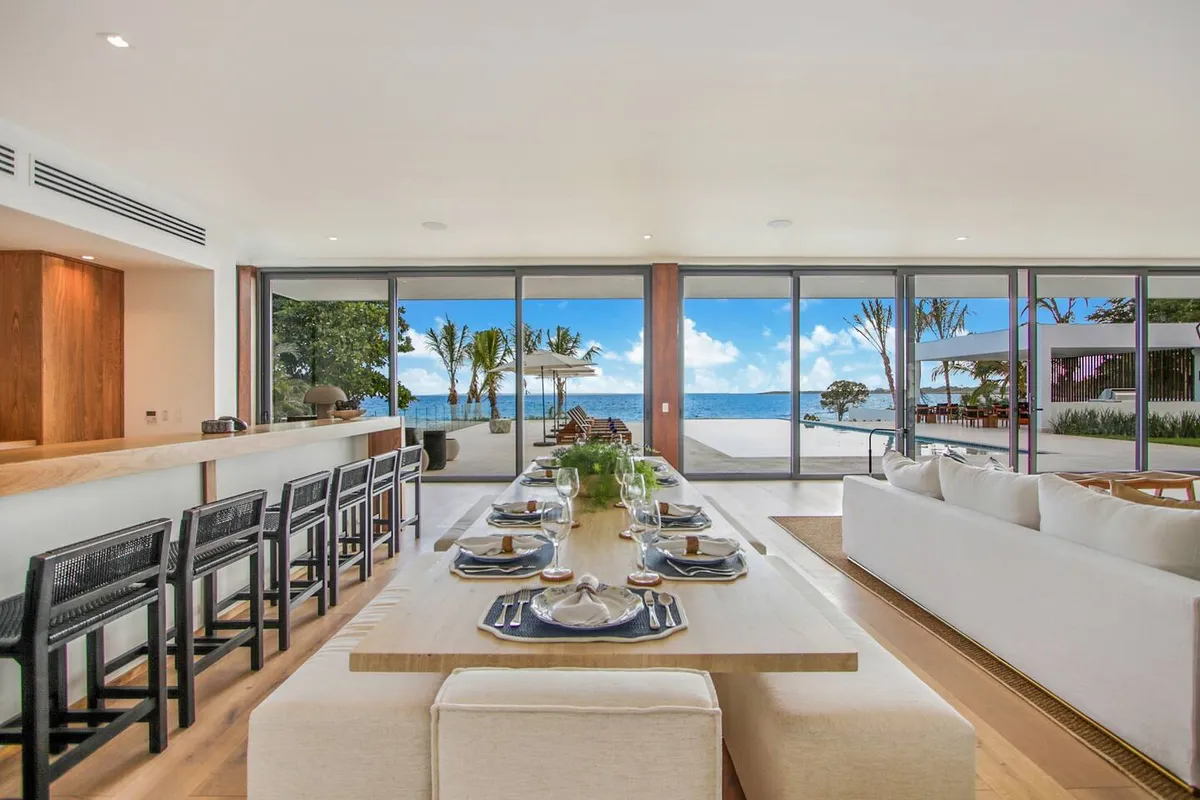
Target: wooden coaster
(626, 535)
(638, 582)
(570, 574)
(575, 524)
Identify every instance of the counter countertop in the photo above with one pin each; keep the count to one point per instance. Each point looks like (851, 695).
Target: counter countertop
(30, 469)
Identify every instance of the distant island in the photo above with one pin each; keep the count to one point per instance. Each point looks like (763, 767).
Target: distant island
(924, 390)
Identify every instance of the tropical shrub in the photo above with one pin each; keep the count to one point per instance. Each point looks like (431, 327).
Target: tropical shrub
(598, 461)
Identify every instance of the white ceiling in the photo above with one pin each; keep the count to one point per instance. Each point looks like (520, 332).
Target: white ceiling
(538, 129)
(21, 231)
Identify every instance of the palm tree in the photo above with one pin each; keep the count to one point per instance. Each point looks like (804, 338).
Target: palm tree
(1061, 315)
(946, 318)
(489, 349)
(450, 342)
(562, 341)
(473, 393)
(873, 324)
(532, 338)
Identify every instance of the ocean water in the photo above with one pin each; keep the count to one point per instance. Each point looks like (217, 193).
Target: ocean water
(630, 406)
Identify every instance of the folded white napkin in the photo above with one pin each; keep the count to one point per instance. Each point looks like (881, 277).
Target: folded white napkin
(519, 508)
(701, 545)
(678, 510)
(546, 462)
(581, 607)
(493, 545)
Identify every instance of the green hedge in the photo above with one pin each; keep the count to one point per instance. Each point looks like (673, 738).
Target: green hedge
(1109, 422)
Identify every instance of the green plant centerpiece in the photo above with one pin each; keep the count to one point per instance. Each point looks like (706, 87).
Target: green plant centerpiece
(596, 463)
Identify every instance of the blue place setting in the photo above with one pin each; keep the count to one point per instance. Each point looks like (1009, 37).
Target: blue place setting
(518, 514)
(510, 556)
(539, 477)
(697, 558)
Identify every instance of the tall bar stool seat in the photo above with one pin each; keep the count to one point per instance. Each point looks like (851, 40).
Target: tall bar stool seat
(215, 536)
(73, 592)
(385, 502)
(350, 534)
(303, 509)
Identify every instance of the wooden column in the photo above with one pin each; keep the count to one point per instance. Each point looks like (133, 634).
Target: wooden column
(247, 283)
(666, 380)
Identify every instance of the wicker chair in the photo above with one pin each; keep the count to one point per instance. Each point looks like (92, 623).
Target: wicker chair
(350, 533)
(72, 593)
(303, 509)
(390, 472)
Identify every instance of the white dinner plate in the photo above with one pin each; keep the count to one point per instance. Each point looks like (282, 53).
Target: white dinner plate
(623, 605)
(501, 558)
(697, 559)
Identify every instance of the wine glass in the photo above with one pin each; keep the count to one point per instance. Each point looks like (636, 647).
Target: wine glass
(632, 490)
(645, 522)
(556, 524)
(623, 470)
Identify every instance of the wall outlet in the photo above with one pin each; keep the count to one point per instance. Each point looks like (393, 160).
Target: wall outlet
(666, 408)
(166, 417)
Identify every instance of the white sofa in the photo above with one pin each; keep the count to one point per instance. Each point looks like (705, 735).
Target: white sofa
(876, 732)
(328, 732)
(1116, 639)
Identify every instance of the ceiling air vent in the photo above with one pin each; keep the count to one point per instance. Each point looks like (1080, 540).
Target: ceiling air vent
(8, 160)
(63, 182)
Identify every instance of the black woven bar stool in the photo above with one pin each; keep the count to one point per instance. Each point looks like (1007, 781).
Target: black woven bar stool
(385, 501)
(408, 470)
(303, 509)
(74, 592)
(350, 534)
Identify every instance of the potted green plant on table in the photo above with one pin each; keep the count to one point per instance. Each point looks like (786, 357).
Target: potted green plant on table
(596, 463)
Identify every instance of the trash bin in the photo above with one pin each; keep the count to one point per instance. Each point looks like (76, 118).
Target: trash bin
(435, 445)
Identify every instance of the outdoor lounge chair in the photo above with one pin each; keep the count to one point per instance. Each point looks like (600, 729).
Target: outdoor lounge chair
(581, 425)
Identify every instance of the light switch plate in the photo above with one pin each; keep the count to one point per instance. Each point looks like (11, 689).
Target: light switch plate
(666, 408)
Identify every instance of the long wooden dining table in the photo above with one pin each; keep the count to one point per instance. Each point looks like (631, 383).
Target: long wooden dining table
(757, 623)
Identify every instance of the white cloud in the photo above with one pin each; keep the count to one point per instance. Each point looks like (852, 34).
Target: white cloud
(821, 338)
(636, 353)
(700, 350)
(818, 377)
(422, 381)
(420, 349)
(603, 383)
(706, 380)
(766, 332)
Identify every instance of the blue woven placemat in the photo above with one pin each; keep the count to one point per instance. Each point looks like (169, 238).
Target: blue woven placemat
(466, 566)
(533, 629)
(699, 522)
(736, 564)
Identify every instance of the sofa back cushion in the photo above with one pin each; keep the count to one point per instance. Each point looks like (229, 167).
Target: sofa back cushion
(1000, 494)
(920, 477)
(1165, 538)
(1145, 498)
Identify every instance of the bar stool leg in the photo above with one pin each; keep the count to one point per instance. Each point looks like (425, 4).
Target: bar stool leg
(257, 608)
(156, 671)
(58, 695)
(185, 653)
(417, 504)
(319, 549)
(281, 558)
(35, 724)
(394, 520)
(331, 560)
(365, 539)
(208, 599)
(94, 647)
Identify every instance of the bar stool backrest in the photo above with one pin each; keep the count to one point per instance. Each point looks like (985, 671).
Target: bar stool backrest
(383, 472)
(305, 501)
(69, 578)
(410, 460)
(214, 525)
(350, 484)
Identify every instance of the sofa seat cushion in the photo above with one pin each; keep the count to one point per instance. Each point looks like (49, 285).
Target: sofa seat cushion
(502, 733)
(1164, 538)
(995, 493)
(845, 736)
(329, 732)
(920, 477)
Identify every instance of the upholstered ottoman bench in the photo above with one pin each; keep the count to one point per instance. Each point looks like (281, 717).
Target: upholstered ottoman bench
(576, 733)
(877, 732)
(328, 732)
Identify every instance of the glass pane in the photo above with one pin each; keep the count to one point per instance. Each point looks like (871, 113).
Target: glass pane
(597, 320)
(737, 374)
(1085, 372)
(460, 336)
(1173, 308)
(962, 367)
(328, 333)
(847, 382)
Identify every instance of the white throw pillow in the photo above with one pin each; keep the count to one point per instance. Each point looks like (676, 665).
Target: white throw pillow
(904, 473)
(1002, 495)
(1165, 538)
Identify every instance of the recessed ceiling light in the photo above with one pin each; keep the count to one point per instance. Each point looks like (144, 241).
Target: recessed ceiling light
(333, 238)
(647, 236)
(434, 226)
(961, 238)
(115, 39)
(776, 224)
(88, 258)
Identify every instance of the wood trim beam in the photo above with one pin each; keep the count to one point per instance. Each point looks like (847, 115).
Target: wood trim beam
(666, 380)
(247, 282)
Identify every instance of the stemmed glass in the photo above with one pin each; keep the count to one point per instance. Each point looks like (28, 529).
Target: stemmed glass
(632, 490)
(624, 471)
(556, 524)
(566, 483)
(644, 523)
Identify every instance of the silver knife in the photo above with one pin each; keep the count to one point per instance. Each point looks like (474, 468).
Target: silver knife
(649, 598)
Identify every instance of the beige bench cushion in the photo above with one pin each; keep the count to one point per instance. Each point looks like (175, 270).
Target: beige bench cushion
(517, 734)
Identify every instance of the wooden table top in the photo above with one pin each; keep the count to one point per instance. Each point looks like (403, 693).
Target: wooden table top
(758, 623)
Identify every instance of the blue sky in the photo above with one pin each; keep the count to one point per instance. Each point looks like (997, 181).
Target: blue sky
(730, 345)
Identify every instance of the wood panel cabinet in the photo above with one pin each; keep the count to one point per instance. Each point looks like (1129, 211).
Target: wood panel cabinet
(62, 352)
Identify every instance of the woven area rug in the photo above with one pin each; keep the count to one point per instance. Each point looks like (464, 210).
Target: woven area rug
(823, 535)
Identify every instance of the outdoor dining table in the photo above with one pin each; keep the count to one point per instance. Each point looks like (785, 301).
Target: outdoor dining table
(757, 623)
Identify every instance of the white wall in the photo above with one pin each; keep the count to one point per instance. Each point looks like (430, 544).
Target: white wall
(170, 361)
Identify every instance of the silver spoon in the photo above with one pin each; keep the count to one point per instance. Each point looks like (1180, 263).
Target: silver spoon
(666, 600)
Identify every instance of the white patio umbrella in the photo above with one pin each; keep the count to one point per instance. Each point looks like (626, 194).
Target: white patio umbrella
(539, 362)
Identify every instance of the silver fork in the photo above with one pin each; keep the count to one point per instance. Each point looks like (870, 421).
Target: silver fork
(508, 601)
(522, 599)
